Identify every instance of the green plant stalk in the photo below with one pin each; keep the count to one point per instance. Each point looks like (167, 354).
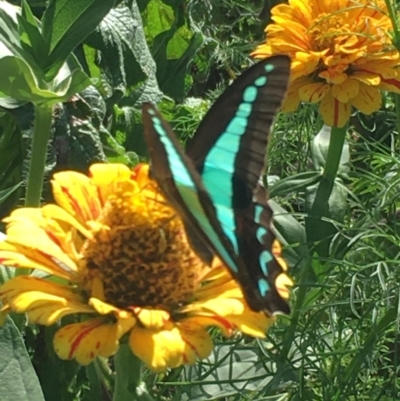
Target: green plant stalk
(335, 149)
(391, 7)
(392, 15)
(397, 103)
(41, 134)
(303, 288)
(43, 117)
(320, 206)
(128, 379)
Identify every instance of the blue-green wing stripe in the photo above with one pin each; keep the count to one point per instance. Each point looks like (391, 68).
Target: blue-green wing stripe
(188, 191)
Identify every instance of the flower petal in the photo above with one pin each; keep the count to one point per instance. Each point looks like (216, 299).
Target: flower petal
(43, 301)
(87, 340)
(334, 113)
(107, 177)
(368, 100)
(346, 90)
(76, 194)
(169, 348)
(152, 319)
(313, 92)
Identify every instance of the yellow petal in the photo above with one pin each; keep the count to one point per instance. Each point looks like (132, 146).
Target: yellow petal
(292, 100)
(76, 193)
(104, 308)
(25, 258)
(368, 100)
(346, 90)
(391, 85)
(153, 319)
(313, 92)
(158, 349)
(33, 242)
(106, 177)
(367, 77)
(44, 302)
(283, 284)
(87, 340)
(54, 212)
(252, 323)
(203, 319)
(333, 112)
(169, 348)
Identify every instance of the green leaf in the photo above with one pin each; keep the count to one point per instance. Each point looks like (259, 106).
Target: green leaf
(229, 371)
(10, 43)
(30, 35)
(319, 151)
(328, 207)
(295, 183)
(174, 46)
(115, 39)
(289, 232)
(18, 380)
(66, 24)
(19, 81)
(5, 193)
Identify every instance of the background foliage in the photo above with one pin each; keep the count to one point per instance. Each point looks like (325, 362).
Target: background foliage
(341, 341)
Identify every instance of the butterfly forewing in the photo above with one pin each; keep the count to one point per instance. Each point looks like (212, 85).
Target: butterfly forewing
(215, 186)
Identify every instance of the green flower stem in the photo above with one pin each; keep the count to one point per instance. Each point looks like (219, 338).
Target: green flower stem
(391, 7)
(320, 205)
(41, 134)
(335, 149)
(128, 380)
(43, 117)
(318, 231)
(303, 285)
(397, 103)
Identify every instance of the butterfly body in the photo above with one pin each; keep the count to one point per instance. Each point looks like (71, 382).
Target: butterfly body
(215, 185)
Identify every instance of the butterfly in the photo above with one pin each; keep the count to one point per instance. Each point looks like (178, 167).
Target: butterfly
(215, 186)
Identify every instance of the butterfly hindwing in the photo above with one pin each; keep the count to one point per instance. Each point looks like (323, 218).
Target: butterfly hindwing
(214, 187)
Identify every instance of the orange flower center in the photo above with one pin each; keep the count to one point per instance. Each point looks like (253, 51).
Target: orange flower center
(330, 31)
(140, 255)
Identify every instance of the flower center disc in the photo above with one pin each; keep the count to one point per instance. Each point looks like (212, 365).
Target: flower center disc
(140, 255)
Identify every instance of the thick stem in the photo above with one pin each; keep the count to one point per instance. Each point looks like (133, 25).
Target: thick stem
(128, 380)
(43, 116)
(397, 103)
(335, 149)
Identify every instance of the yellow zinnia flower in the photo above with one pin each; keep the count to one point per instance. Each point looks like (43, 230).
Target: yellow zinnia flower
(117, 259)
(342, 55)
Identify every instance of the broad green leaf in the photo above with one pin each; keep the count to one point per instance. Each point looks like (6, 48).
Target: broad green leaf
(291, 233)
(79, 131)
(66, 24)
(125, 58)
(30, 35)
(18, 380)
(173, 46)
(319, 151)
(290, 184)
(20, 82)
(10, 43)
(115, 39)
(322, 225)
(228, 372)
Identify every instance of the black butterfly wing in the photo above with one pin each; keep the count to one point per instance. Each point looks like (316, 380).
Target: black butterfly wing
(182, 186)
(231, 174)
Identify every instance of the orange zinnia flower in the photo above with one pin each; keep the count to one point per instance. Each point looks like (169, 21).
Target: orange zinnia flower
(342, 55)
(116, 258)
